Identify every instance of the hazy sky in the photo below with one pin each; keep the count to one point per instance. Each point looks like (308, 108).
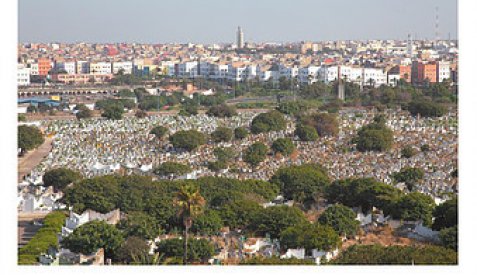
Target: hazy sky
(214, 21)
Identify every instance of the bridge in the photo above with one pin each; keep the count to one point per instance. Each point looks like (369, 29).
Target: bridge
(71, 90)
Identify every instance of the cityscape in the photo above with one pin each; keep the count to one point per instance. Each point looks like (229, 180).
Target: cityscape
(311, 152)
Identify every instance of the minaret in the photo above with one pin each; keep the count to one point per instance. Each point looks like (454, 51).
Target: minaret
(341, 86)
(409, 45)
(240, 38)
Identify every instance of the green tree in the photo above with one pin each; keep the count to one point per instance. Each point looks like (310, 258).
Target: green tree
(414, 207)
(395, 254)
(267, 122)
(273, 220)
(274, 260)
(306, 133)
(255, 153)
(190, 205)
(133, 247)
(209, 223)
(239, 214)
(408, 151)
(224, 154)
(303, 183)
(83, 111)
(426, 108)
(222, 110)
(374, 136)
(364, 193)
(140, 224)
(240, 133)
(341, 218)
(449, 237)
(59, 178)
(445, 215)
(411, 176)
(310, 236)
(293, 107)
(196, 250)
(159, 131)
(425, 148)
(324, 124)
(283, 146)
(92, 236)
(114, 112)
(169, 168)
(222, 134)
(188, 140)
(29, 137)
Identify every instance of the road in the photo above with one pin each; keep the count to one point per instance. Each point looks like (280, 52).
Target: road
(33, 158)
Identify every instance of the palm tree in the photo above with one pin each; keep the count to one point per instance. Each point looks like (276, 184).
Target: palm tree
(190, 204)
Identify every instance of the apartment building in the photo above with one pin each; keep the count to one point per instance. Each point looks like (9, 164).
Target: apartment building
(23, 75)
(44, 66)
(68, 66)
(126, 66)
(100, 68)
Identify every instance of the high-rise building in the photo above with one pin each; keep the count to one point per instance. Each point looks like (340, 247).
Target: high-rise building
(240, 42)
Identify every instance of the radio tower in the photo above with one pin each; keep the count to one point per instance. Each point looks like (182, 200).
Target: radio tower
(437, 25)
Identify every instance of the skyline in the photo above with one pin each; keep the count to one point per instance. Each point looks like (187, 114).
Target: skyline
(212, 21)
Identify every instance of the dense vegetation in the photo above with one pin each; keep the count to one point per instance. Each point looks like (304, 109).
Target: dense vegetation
(310, 236)
(29, 137)
(306, 133)
(198, 250)
(188, 140)
(222, 134)
(341, 218)
(283, 146)
(426, 108)
(267, 122)
(325, 124)
(374, 136)
(240, 133)
(172, 168)
(45, 238)
(255, 153)
(398, 255)
(303, 184)
(59, 178)
(222, 110)
(159, 131)
(276, 261)
(92, 236)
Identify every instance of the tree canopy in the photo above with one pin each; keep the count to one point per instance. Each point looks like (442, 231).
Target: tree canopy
(396, 254)
(197, 250)
(222, 134)
(445, 214)
(240, 133)
(188, 140)
(325, 124)
(301, 183)
(92, 236)
(159, 131)
(59, 178)
(414, 207)
(306, 133)
(310, 236)
(410, 176)
(375, 136)
(267, 122)
(140, 225)
(341, 218)
(29, 137)
(169, 168)
(114, 112)
(426, 108)
(255, 153)
(273, 220)
(222, 110)
(283, 146)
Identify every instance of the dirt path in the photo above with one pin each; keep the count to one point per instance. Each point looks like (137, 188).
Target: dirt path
(33, 158)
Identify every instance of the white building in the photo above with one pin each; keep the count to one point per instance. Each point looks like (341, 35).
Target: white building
(218, 71)
(23, 75)
(308, 74)
(76, 220)
(288, 72)
(34, 69)
(127, 66)
(68, 66)
(100, 68)
(187, 69)
(444, 71)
